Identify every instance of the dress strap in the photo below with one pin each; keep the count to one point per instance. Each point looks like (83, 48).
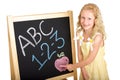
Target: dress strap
(81, 37)
(95, 35)
(91, 40)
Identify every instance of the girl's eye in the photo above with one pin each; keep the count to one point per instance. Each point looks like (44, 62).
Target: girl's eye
(82, 17)
(89, 18)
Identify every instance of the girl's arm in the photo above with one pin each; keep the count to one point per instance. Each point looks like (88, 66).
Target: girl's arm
(80, 58)
(98, 41)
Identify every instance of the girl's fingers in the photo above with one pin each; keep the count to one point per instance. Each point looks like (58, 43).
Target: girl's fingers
(63, 66)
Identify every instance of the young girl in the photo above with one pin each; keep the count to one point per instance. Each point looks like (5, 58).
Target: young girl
(90, 44)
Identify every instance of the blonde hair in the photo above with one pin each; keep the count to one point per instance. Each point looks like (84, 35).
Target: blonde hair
(98, 26)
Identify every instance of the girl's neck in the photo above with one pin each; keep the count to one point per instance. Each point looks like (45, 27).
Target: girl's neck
(88, 32)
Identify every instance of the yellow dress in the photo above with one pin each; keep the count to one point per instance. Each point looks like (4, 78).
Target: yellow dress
(97, 70)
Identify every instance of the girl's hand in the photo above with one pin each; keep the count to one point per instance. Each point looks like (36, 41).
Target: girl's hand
(70, 67)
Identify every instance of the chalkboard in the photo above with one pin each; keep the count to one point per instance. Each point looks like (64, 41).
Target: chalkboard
(39, 44)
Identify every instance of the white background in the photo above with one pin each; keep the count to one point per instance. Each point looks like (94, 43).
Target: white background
(110, 13)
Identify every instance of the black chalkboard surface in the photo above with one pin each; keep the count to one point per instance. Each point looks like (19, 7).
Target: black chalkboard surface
(39, 45)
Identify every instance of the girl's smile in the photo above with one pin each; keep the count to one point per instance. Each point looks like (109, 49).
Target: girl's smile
(87, 19)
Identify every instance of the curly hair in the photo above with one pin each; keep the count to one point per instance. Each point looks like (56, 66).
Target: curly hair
(98, 25)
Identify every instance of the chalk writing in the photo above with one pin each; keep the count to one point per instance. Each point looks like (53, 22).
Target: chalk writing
(40, 25)
(44, 47)
(34, 58)
(33, 35)
(49, 54)
(20, 37)
(57, 39)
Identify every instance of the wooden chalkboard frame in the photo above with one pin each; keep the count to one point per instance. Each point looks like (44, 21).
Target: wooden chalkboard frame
(15, 75)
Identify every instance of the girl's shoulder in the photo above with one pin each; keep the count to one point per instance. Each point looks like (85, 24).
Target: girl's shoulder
(79, 35)
(97, 35)
(98, 39)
